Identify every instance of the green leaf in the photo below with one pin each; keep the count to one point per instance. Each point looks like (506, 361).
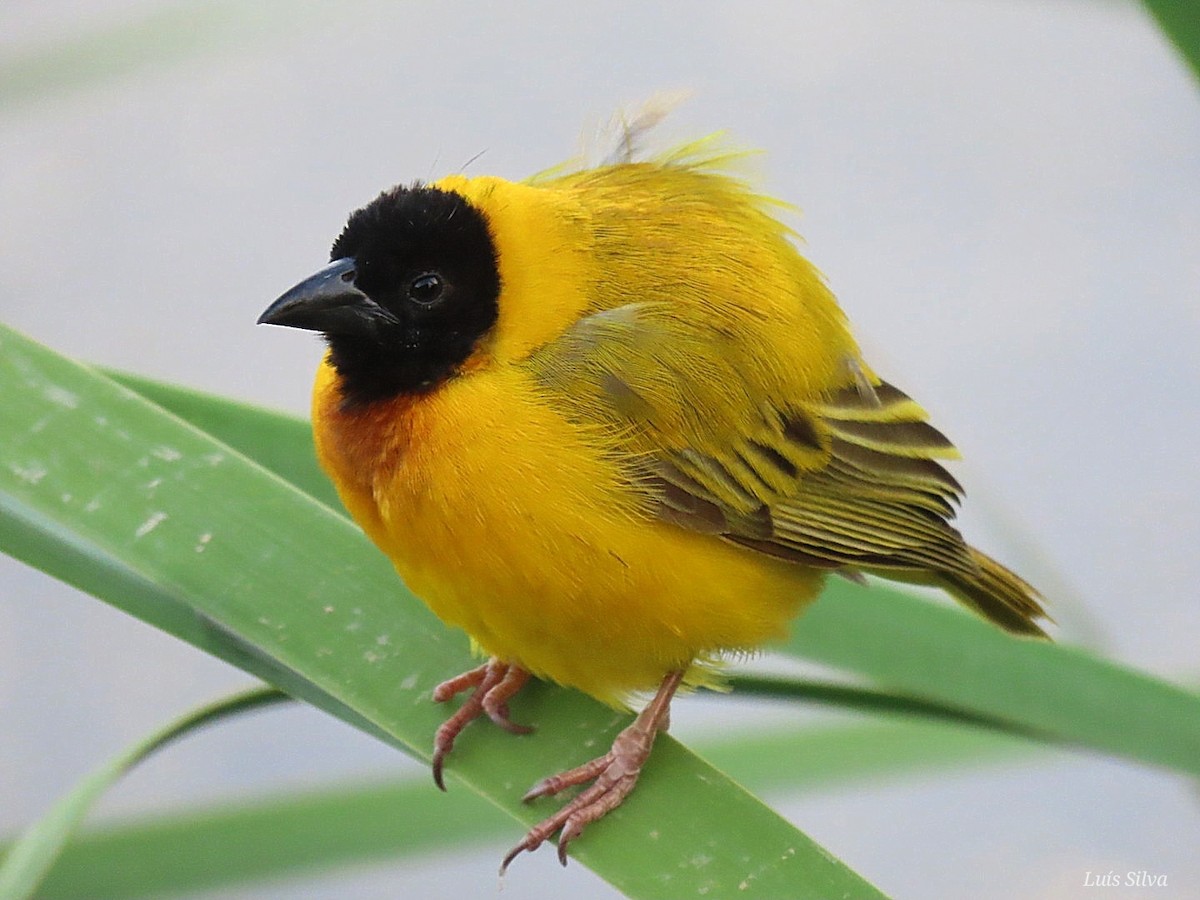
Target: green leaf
(1180, 19)
(289, 836)
(28, 859)
(860, 699)
(292, 835)
(106, 491)
(278, 442)
(940, 654)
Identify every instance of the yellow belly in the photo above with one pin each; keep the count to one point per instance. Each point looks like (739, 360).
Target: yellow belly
(514, 525)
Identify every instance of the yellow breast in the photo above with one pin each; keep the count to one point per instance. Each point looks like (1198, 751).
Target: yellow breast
(517, 526)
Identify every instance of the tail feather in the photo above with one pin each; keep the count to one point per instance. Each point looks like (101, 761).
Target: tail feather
(998, 594)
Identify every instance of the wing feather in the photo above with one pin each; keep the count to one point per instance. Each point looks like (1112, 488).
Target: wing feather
(848, 479)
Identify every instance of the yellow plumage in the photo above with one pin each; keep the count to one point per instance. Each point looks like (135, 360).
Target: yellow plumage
(657, 450)
(519, 527)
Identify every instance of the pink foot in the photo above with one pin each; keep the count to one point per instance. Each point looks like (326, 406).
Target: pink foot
(494, 683)
(613, 775)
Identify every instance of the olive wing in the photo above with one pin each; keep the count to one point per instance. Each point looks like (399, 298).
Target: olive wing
(848, 479)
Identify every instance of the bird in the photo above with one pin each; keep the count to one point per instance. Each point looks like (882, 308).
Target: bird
(613, 425)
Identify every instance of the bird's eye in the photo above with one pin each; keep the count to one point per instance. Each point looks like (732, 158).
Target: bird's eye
(426, 288)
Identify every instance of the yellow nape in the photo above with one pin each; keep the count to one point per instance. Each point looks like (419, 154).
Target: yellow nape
(542, 252)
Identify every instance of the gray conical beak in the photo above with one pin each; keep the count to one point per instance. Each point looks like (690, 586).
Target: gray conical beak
(329, 302)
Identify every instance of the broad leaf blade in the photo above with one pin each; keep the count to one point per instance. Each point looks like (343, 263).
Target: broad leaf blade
(938, 653)
(292, 835)
(95, 480)
(276, 441)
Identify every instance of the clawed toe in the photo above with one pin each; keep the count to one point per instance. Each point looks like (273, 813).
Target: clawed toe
(493, 684)
(613, 776)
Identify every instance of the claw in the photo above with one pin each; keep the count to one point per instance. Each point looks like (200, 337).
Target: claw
(613, 775)
(493, 683)
(589, 771)
(570, 831)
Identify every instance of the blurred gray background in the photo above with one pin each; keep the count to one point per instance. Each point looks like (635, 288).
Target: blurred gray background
(1004, 195)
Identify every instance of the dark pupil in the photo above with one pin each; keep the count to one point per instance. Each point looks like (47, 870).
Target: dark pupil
(426, 288)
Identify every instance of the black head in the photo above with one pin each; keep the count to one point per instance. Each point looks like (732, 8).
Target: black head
(413, 286)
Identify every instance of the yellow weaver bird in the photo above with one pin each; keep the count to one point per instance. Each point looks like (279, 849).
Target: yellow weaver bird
(610, 423)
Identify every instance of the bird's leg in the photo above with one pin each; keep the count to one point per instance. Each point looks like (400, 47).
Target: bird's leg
(494, 683)
(613, 775)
